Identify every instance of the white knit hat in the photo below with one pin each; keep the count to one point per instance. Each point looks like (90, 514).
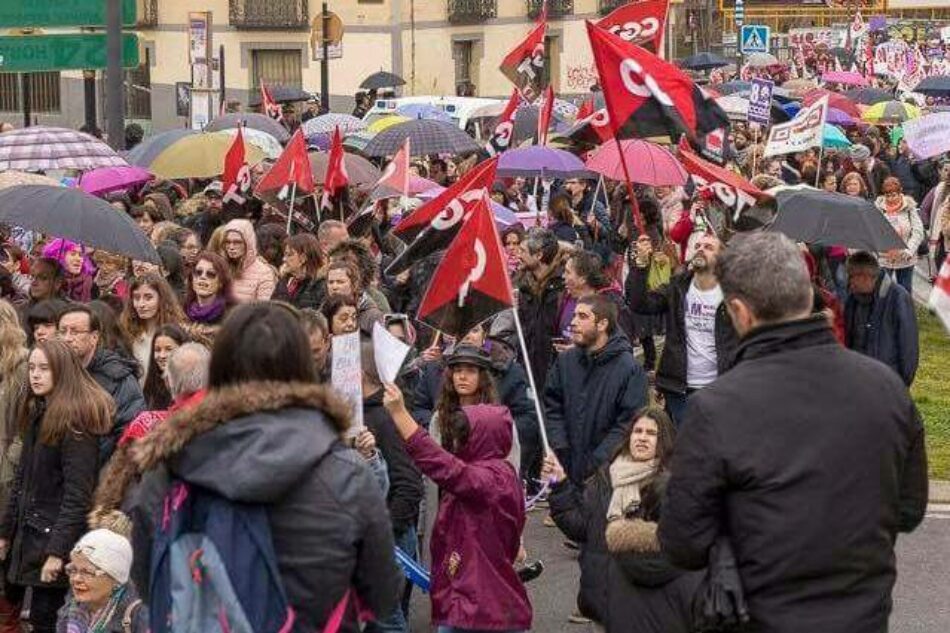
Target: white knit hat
(108, 551)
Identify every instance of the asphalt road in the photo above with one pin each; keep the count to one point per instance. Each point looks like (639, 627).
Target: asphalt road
(921, 597)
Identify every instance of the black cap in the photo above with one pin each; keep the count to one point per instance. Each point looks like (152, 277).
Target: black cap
(469, 355)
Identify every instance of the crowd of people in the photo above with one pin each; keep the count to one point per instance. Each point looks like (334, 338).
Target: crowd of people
(680, 395)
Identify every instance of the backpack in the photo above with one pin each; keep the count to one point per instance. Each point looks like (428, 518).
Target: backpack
(214, 568)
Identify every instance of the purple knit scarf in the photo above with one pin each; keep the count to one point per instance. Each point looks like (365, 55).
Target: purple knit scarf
(206, 314)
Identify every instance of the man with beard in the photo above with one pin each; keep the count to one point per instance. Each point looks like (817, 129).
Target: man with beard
(700, 339)
(593, 390)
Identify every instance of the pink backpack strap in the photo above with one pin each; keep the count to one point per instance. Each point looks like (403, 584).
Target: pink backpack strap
(336, 616)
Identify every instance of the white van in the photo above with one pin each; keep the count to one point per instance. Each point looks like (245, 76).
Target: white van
(460, 109)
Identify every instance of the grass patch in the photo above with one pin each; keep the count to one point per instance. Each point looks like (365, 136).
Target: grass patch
(931, 392)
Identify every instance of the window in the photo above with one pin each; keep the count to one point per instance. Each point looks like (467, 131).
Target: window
(462, 53)
(44, 88)
(276, 68)
(138, 90)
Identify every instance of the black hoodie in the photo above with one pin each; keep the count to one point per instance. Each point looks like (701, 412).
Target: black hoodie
(118, 375)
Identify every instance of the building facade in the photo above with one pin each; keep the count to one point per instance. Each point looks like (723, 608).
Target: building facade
(436, 45)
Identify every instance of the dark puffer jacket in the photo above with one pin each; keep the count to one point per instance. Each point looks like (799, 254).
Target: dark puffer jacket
(539, 306)
(278, 444)
(310, 293)
(589, 404)
(638, 590)
(118, 375)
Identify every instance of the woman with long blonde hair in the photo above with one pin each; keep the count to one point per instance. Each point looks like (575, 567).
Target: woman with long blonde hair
(60, 419)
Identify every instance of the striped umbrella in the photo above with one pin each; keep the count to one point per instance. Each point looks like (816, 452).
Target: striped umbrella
(42, 148)
(326, 123)
(425, 137)
(890, 113)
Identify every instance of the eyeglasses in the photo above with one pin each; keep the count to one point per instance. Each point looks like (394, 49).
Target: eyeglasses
(74, 571)
(205, 273)
(65, 331)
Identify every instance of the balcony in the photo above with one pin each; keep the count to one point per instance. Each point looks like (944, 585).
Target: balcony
(606, 6)
(468, 11)
(556, 8)
(146, 14)
(269, 14)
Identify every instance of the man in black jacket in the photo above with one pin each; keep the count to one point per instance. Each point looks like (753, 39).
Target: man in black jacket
(593, 391)
(809, 457)
(700, 340)
(540, 294)
(79, 328)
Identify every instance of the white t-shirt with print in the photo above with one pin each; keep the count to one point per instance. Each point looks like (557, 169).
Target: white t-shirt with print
(701, 359)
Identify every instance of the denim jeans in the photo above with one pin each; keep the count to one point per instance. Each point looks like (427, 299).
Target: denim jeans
(904, 277)
(396, 622)
(675, 406)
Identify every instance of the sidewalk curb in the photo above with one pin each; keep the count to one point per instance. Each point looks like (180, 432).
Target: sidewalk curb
(939, 491)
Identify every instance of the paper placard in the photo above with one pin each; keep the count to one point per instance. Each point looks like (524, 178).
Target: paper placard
(346, 375)
(389, 353)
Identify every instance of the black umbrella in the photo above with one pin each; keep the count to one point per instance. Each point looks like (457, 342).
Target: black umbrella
(833, 219)
(252, 120)
(426, 137)
(843, 55)
(935, 86)
(282, 94)
(77, 216)
(382, 79)
(730, 87)
(868, 96)
(704, 61)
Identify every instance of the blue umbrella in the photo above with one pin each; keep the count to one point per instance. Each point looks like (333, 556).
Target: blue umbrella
(834, 138)
(148, 150)
(791, 109)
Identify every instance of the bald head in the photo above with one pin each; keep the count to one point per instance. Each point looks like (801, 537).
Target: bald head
(187, 371)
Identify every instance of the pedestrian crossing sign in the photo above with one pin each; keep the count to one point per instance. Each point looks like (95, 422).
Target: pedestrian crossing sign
(754, 39)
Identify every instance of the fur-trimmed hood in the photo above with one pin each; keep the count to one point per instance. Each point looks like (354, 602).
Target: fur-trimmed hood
(247, 442)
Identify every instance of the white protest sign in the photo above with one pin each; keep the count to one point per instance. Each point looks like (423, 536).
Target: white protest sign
(802, 132)
(346, 375)
(389, 353)
(929, 135)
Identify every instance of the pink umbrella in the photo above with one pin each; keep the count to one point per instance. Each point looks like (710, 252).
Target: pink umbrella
(108, 179)
(847, 77)
(649, 163)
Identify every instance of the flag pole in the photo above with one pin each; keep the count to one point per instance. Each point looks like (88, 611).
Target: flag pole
(634, 207)
(290, 211)
(534, 388)
(755, 145)
(600, 182)
(821, 153)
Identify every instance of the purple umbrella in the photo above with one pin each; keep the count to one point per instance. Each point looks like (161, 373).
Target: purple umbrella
(108, 179)
(839, 117)
(847, 77)
(538, 160)
(503, 215)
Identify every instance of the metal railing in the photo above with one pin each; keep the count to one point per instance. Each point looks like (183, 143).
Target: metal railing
(147, 13)
(556, 8)
(269, 14)
(45, 96)
(462, 11)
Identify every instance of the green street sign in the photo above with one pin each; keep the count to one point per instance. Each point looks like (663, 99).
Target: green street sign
(38, 53)
(38, 13)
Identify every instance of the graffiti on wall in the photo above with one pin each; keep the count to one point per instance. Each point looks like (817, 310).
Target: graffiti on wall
(581, 77)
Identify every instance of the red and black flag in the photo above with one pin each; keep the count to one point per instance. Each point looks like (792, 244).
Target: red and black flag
(646, 96)
(336, 178)
(289, 179)
(544, 115)
(471, 283)
(432, 227)
(524, 65)
(270, 107)
(504, 126)
(236, 180)
(638, 23)
(731, 189)
(592, 124)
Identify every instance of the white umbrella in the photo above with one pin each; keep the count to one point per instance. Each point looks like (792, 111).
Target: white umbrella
(262, 140)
